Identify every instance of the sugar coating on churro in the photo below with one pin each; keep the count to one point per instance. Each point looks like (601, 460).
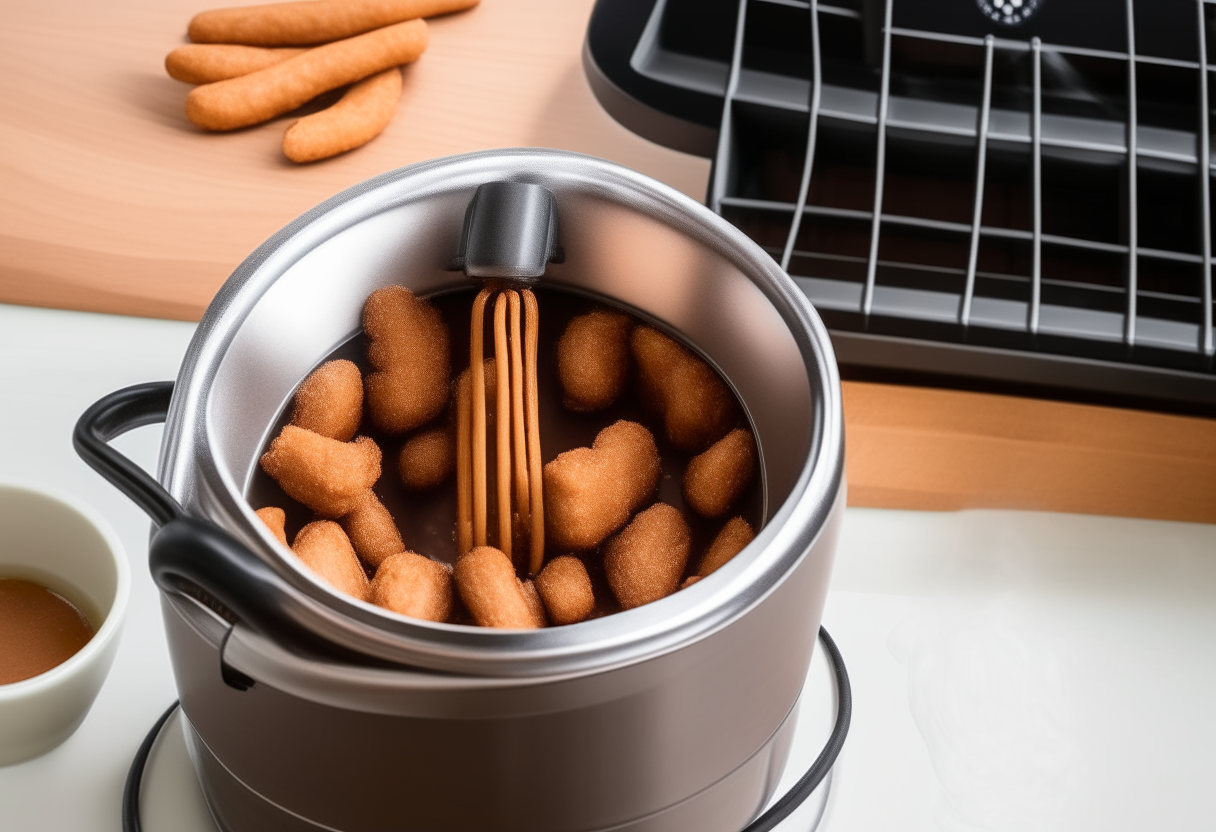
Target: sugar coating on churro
(371, 530)
(275, 520)
(646, 560)
(689, 581)
(731, 540)
(408, 350)
(565, 588)
(354, 120)
(330, 401)
(262, 95)
(413, 585)
(427, 458)
(714, 479)
(325, 549)
(592, 492)
(536, 607)
(203, 63)
(490, 590)
(593, 359)
(324, 474)
(696, 406)
(311, 21)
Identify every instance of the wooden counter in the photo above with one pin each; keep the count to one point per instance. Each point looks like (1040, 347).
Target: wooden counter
(111, 201)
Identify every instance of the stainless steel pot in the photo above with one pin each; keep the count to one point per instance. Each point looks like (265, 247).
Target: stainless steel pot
(309, 710)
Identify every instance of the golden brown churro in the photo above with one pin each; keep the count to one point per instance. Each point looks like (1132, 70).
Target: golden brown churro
(736, 534)
(645, 561)
(536, 607)
(307, 23)
(593, 359)
(275, 520)
(330, 401)
(695, 404)
(715, 479)
(204, 63)
(324, 474)
(324, 548)
(410, 584)
(358, 117)
(592, 492)
(491, 592)
(371, 530)
(427, 458)
(565, 588)
(258, 96)
(408, 351)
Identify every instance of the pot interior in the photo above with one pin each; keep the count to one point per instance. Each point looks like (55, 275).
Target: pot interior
(300, 304)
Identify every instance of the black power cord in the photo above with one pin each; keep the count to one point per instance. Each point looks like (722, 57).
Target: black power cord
(775, 814)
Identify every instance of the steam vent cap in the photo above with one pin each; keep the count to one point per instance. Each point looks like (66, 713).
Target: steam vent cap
(510, 232)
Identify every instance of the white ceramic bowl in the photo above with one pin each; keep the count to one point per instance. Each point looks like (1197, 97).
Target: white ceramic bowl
(67, 547)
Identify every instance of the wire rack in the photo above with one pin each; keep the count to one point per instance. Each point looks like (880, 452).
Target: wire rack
(974, 205)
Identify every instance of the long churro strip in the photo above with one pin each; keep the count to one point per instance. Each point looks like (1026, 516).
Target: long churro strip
(262, 95)
(464, 463)
(532, 397)
(205, 63)
(306, 23)
(519, 442)
(478, 384)
(502, 423)
(358, 117)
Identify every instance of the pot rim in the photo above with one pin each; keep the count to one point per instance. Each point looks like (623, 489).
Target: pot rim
(189, 469)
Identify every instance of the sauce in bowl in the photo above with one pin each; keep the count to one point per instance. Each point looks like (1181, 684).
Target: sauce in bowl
(39, 630)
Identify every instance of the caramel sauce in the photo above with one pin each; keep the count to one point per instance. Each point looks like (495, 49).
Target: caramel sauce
(39, 630)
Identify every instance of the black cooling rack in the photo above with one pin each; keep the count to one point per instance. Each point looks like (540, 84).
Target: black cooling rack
(1022, 202)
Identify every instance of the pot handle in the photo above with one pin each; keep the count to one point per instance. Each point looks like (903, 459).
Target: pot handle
(111, 417)
(187, 554)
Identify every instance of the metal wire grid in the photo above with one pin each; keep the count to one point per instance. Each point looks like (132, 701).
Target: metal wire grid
(1130, 250)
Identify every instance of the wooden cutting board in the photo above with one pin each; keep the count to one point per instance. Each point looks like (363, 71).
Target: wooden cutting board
(111, 201)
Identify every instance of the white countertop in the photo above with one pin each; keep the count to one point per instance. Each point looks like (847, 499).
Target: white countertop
(1010, 670)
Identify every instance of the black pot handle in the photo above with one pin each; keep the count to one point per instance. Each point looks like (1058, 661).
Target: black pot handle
(111, 417)
(187, 554)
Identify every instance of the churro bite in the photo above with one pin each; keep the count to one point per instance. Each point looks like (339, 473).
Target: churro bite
(330, 401)
(275, 520)
(696, 406)
(535, 606)
(325, 549)
(646, 560)
(413, 585)
(735, 535)
(371, 530)
(593, 359)
(565, 589)
(408, 351)
(490, 590)
(324, 474)
(592, 492)
(714, 479)
(427, 458)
